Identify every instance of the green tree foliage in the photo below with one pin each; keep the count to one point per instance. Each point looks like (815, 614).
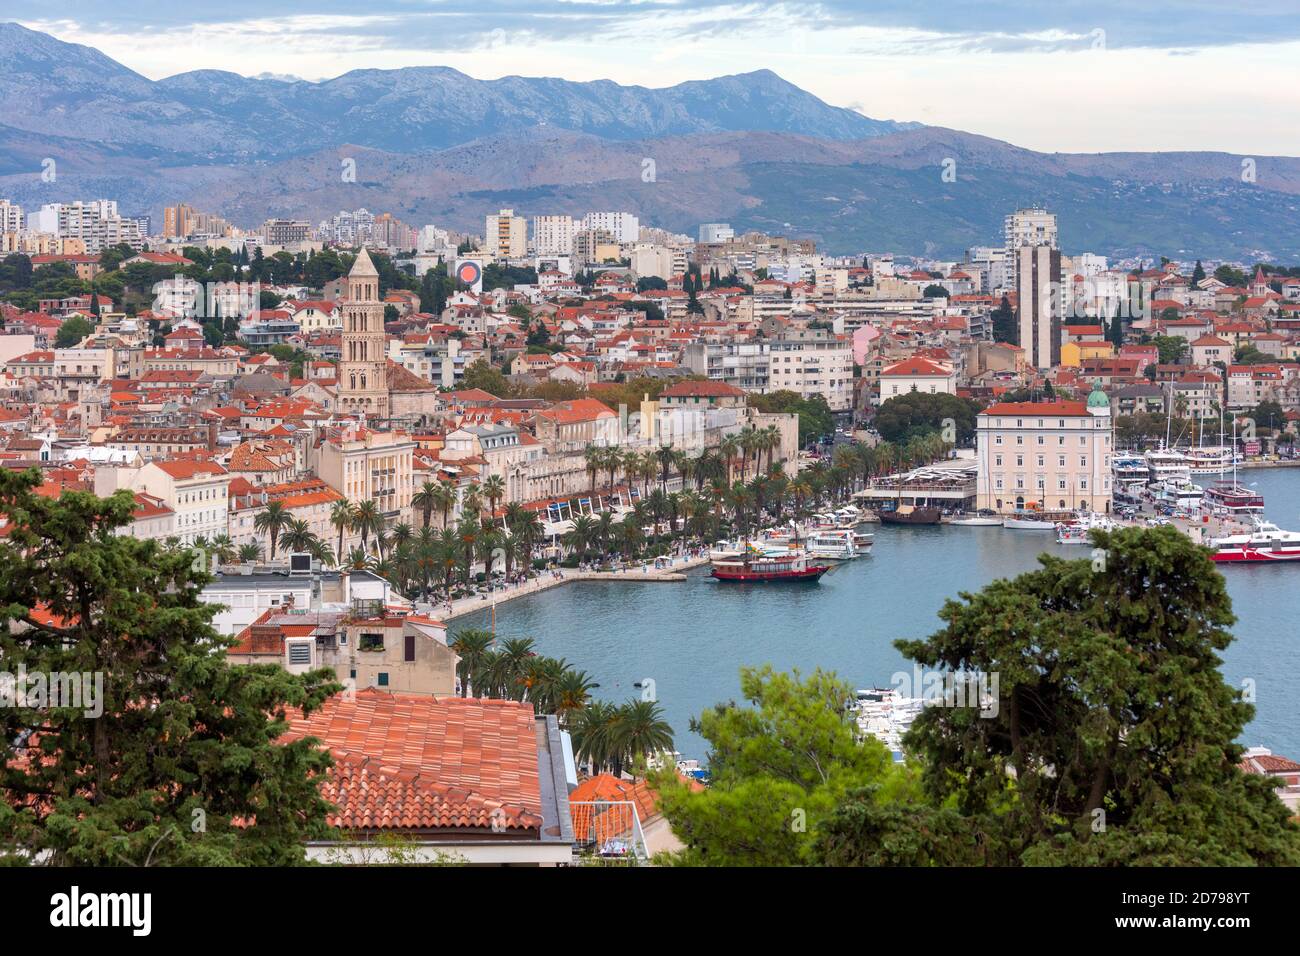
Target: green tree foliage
(480, 374)
(1171, 348)
(183, 756)
(1114, 737)
(1004, 323)
(72, 331)
(935, 292)
(919, 413)
(815, 416)
(778, 769)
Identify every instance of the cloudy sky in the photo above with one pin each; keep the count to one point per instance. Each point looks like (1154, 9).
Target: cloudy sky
(1079, 77)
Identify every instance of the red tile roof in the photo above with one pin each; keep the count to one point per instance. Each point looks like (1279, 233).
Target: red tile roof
(411, 761)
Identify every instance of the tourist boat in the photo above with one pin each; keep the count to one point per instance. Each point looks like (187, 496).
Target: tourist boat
(835, 545)
(1028, 522)
(910, 514)
(1210, 460)
(1078, 530)
(1180, 492)
(1165, 464)
(1130, 470)
(1234, 498)
(749, 569)
(1265, 542)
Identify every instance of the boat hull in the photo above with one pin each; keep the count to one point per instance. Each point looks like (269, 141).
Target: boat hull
(1028, 524)
(741, 576)
(1254, 556)
(915, 516)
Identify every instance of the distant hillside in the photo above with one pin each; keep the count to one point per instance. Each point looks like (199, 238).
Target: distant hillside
(433, 145)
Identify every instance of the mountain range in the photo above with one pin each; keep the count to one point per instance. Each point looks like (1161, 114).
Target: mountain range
(431, 144)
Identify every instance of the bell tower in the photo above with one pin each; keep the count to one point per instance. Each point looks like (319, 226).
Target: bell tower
(363, 369)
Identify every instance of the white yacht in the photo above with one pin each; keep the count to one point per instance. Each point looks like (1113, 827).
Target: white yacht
(1166, 464)
(837, 545)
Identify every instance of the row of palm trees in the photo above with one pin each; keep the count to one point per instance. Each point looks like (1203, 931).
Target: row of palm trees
(730, 459)
(712, 506)
(605, 736)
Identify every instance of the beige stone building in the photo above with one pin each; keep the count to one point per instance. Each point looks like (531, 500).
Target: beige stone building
(1045, 456)
(362, 464)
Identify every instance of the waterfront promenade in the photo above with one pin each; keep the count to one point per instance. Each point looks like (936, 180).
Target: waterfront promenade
(664, 570)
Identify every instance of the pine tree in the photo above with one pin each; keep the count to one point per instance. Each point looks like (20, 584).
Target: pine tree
(181, 765)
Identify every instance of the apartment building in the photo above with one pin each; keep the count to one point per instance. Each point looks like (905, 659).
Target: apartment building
(553, 235)
(505, 235)
(813, 362)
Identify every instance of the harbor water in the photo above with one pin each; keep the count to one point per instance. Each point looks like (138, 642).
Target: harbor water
(691, 638)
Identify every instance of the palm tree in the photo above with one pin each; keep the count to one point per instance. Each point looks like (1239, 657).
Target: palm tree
(631, 534)
(444, 499)
(320, 551)
(593, 458)
(297, 535)
(580, 537)
(402, 534)
(426, 499)
(368, 520)
(472, 647)
(665, 457)
(572, 693)
(271, 522)
(591, 734)
(494, 489)
(612, 460)
(728, 449)
(468, 532)
(341, 517)
(639, 729)
(515, 654)
(223, 548)
(248, 553)
(471, 502)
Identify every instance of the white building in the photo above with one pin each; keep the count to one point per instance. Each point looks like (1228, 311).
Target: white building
(811, 363)
(197, 491)
(553, 235)
(711, 232)
(916, 375)
(623, 226)
(1046, 456)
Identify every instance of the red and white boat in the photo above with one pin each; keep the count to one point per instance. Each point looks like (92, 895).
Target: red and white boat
(754, 569)
(1266, 542)
(1235, 498)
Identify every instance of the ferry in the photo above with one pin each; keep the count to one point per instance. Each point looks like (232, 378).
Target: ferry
(1234, 498)
(1130, 470)
(1265, 542)
(795, 566)
(884, 713)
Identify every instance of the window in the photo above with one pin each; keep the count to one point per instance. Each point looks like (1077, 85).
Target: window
(410, 648)
(300, 653)
(383, 678)
(371, 642)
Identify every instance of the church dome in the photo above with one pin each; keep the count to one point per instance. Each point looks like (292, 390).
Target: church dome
(1097, 398)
